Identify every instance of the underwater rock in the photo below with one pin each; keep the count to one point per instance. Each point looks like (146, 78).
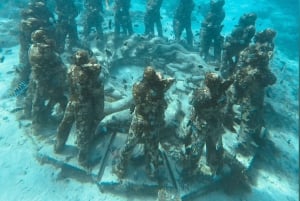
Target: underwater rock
(116, 106)
(118, 121)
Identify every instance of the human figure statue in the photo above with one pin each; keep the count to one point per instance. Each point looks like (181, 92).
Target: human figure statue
(66, 26)
(210, 33)
(250, 80)
(93, 17)
(122, 18)
(206, 125)
(152, 17)
(85, 106)
(266, 38)
(148, 119)
(238, 40)
(35, 16)
(182, 21)
(47, 84)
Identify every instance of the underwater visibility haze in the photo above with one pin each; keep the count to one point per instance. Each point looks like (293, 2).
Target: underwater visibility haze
(152, 100)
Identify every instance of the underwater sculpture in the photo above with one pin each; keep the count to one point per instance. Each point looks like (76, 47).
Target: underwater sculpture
(148, 119)
(210, 33)
(238, 40)
(206, 125)
(85, 106)
(182, 21)
(66, 24)
(152, 17)
(45, 65)
(35, 16)
(250, 80)
(122, 18)
(93, 17)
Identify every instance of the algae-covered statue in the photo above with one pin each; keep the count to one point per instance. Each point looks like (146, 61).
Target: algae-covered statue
(238, 40)
(85, 106)
(148, 119)
(152, 17)
(182, 21)
(122, 18)
(66, 24)
(93, 17)
(206, 125)
(35, 16)
(47, 84)
(210, 34)
(250, 81)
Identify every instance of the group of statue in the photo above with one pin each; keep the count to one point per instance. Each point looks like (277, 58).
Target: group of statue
(244, 74)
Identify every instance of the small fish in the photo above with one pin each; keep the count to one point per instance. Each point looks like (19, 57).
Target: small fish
(21, 68)
(221, 100)
(269, 93)
(136, 25)
(9, 51)
(91, 53)
(21, 89)
(200, 66)
(108, 52)
(217, 69)
(113, 77)
(174, 123)
(102, 130)
(2, 59)
(16, 109)
(283, 67)
(110, 24)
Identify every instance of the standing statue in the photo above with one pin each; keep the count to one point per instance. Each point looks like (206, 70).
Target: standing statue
(248, 89)
(66, 24)
(47, 84)
(93, 17)
(206, 125)
(122, 18)
(148, 119)
(238, 40)
(36, 16)
(210, 34)
(85, 106)
(152, 17)
(182, 21)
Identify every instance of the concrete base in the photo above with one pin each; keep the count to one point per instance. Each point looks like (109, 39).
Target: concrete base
(106, 151)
